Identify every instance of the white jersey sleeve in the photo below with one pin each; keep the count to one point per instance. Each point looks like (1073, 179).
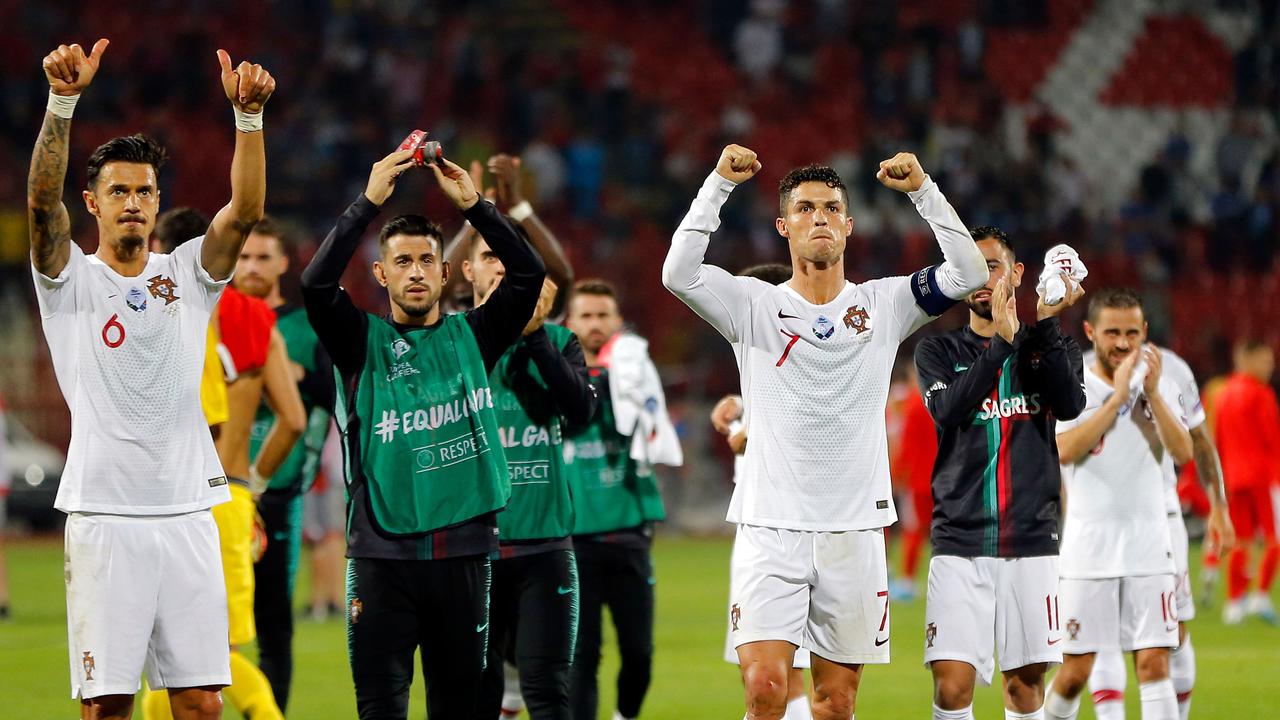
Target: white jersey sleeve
(717, 296)
(1116, 519)
(963, 269)
(128, 352)
(1191, 410)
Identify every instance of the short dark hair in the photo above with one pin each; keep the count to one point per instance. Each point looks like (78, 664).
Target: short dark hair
(132, 148)
(772, 273)
(410, 225)
(991, 232)
(595, 286)
(1249, 345)
(271, 227)
(1117, 298)
(809, 173)
(178, 225)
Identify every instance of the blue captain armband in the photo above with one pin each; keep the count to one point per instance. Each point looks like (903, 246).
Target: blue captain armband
(930, 298)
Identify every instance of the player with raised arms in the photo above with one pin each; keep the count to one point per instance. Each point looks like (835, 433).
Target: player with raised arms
(1118, 586)
(426, 471)
(808, 566)
(126, 328)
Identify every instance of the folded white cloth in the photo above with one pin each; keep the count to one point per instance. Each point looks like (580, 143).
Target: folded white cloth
(639, 405)
(1060, 259)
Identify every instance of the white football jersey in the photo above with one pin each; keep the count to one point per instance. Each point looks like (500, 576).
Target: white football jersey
(1116, 520)
(1179, 372)
(815, 378)
(128, 353)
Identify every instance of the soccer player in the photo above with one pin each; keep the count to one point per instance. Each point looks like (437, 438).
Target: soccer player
(539, 385)
(261, 370)
(995, 388)
(727, 418)
(426, 473)
(1248, 435)
(817, 354)
(1117, 586)
(126, 329)
(912, 465)
(615, 498)
(174, 227)
(508, 194)
(264, 261)
(1108, 678)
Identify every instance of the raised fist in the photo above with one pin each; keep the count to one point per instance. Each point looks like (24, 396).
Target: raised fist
(247, 86)
(69, 70)
(901, 172)
(737, 164)
(506, 173)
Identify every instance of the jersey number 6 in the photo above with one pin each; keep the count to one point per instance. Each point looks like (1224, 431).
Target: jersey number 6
(113, 332)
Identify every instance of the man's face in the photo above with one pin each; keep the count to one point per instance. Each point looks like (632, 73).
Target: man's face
(1116, 334)
(482, 269)
(816, 225)
(413, 271)
(1000, 262)
(262, 262)
(594, 319)
(125, 200)
(1258, 362)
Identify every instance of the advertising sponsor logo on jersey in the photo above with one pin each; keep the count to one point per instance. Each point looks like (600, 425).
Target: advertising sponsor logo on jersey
(1017, 406)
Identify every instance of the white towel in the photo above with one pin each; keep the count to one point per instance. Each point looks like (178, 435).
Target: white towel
(639, 405)
(1060, 259)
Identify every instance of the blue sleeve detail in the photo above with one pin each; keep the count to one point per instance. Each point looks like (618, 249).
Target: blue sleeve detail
(930, 298)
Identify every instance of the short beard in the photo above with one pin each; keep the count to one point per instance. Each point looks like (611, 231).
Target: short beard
(980, 308)
(127, 246)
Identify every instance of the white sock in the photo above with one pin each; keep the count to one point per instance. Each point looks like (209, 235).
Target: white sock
(1107, 681)
(1033, 715)
(1057, 707)
(1158, 700)
(961, 714)
(1182, 671)
(798, 709)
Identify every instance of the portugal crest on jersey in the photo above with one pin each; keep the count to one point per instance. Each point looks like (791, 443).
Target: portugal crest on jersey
(163, 288)
(857, 318)
(1073, 628)
(735, 615)
(823, 328)
(930, 632)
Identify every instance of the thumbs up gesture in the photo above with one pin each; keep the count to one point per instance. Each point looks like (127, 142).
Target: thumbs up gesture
(247, 85)
(69, 70)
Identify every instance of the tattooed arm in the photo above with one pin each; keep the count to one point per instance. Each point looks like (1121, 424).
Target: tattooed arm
(46, 215)
(69, 71)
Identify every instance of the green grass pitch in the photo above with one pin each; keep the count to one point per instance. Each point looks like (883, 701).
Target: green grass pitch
(1237, 665)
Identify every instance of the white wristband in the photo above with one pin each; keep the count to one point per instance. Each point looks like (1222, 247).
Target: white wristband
(520, 211)
(63, 106)
(257, 483)
(247, 122)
